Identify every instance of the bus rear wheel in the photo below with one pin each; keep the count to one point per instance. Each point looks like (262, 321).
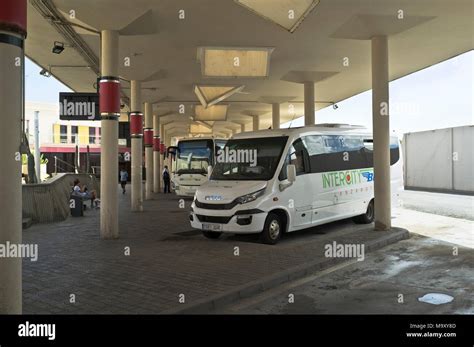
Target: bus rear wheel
(211, 234)
(368, 217)
(272, 229)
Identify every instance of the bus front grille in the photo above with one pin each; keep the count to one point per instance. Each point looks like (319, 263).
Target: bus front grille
(228, 206)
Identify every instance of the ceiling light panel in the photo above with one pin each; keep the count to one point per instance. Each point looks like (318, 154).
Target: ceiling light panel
(234, 61)
(199, 129)
(286, 13)
(211, 95)
(213, 113)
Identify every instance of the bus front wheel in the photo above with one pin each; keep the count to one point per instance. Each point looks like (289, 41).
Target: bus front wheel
(272, 229)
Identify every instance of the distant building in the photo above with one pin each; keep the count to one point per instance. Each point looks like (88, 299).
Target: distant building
(59, 138)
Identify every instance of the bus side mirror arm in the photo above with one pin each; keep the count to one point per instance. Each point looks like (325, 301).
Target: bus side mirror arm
(285, 184)
(291, 177)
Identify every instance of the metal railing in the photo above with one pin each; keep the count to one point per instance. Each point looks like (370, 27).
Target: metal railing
(59, 161)
(96, 170)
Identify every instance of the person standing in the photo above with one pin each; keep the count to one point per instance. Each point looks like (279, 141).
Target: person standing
(123, 179)
(166, 180)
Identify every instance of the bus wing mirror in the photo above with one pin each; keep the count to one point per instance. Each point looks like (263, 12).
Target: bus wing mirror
(291, 173)
(290, 177)
(209, 171)
(172, 150)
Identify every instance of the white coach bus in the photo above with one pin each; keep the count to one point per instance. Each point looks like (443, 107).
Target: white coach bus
(192, 158)
(301, 177)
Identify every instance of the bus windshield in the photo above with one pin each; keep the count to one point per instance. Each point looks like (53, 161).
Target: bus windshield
(194, 156)
(249, 159)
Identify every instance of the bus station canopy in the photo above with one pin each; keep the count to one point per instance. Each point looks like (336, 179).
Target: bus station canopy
(184, 51)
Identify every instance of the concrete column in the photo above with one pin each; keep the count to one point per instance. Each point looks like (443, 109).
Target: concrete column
(13, 26)
(148, 141)
(381, 128)
(275, 116)
(136, 133)
(110, 112)
(156, 155)
(162, 161)
(309, 117)
(242, 128)
(256, 123)
(37, 149)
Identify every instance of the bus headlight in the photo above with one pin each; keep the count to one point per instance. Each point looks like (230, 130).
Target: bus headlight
(250, 197)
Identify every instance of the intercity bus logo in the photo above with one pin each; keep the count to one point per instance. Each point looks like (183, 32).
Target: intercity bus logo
(347, 178)
(368, 175)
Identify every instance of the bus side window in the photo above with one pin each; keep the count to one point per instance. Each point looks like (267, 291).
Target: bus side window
(369, 151)
(283, 176)
(297, 156)
(394, 150)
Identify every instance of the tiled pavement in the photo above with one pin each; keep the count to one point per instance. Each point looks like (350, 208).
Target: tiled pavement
(167, 259)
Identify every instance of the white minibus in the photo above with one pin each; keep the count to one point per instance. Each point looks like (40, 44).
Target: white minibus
(295, 179)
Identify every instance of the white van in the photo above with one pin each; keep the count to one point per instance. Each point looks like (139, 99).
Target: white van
(301, 177)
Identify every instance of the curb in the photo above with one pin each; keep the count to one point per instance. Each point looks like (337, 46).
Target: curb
(252, 288)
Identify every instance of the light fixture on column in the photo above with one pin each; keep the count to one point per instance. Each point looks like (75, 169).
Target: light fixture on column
(48, 72)
(286, 13)
(58, 47)
(45, 73)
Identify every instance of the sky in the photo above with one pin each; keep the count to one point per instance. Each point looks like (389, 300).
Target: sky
(39, 88)
(439, 96)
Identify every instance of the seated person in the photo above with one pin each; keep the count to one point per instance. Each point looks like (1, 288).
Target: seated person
(83, 192)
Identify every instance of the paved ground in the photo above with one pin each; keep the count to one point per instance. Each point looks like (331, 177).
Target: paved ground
(449, 205)
(447, 217)
(167, 259)
(449, 229)
(411, 267)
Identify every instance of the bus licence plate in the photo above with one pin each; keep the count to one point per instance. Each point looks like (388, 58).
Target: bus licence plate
(211, 227)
